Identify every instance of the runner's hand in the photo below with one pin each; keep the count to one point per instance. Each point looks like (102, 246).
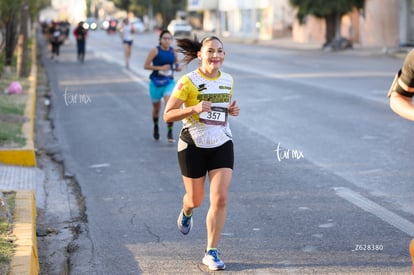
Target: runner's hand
(203, 106)
(234, 110)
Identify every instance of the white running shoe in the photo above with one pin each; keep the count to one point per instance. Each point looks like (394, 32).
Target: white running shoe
(184, 223)
(212, 260)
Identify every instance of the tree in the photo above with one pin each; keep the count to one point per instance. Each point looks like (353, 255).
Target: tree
(9, 14)
(123, 4)
(167, 9)
(15, 16)
(332, 12)
(22, 48)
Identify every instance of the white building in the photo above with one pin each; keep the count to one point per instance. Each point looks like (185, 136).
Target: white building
(382, 23)
(71, 10)
(257, 19)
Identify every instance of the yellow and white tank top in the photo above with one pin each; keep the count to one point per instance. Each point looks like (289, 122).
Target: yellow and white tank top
(207, 129)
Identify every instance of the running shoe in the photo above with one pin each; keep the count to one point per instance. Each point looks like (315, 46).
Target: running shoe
(156, 133)
(184, 223)
(212, 260)
(170, 136)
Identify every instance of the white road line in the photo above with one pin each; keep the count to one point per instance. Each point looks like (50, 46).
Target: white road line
(375, 209)
(99, 165)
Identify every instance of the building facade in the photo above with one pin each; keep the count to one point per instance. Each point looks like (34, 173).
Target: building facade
(382, 23)
(258, 19)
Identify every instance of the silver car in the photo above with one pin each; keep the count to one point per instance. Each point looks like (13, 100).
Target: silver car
(180, 28)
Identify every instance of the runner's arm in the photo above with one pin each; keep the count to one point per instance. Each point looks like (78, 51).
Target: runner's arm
(174, 112)
(402, 105)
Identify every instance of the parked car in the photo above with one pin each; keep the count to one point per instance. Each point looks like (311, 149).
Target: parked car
(180, 28)
(139, 26)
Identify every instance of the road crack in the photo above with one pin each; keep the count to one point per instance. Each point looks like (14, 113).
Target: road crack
(62, 212)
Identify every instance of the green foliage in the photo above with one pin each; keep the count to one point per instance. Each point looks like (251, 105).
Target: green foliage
(35, 6)
(123, 4)
(12, 113)
(11, 119)
(9, 16)
(9, 9)
(323, 8)
(6, 243)
(11, 135)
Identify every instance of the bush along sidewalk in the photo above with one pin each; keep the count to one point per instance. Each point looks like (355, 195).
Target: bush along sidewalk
(17, 103)
(7, 203)
(12, 113)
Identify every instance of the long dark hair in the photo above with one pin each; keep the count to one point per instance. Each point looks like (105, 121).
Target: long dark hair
(190, 47)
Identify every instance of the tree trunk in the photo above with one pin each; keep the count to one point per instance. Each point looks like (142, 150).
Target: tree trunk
(2, 42)
(22, 50)
(337, 19)
(333, 33)
(330, 29)
(10, 42)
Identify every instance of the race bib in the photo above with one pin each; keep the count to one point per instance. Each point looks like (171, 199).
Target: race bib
(168, 73)
(217, 116)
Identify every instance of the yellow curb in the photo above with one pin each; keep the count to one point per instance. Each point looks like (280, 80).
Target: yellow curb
(26, 156)
(25, 260)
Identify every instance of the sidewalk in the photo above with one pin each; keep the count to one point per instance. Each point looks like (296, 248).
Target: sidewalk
(22, 178)
(26, 182)
(288, 43)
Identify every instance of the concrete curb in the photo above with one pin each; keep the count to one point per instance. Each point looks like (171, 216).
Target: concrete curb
(25, 259)
(26, 156)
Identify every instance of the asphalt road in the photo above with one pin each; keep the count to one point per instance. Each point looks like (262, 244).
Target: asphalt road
(323, 173)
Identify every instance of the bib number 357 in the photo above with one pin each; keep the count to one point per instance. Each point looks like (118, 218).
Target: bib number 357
(217, 116)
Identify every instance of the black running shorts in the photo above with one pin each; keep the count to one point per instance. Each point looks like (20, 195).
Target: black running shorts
(195, 162)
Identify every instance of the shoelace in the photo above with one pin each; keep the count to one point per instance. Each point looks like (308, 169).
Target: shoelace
(186, 220)
(215, 254)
